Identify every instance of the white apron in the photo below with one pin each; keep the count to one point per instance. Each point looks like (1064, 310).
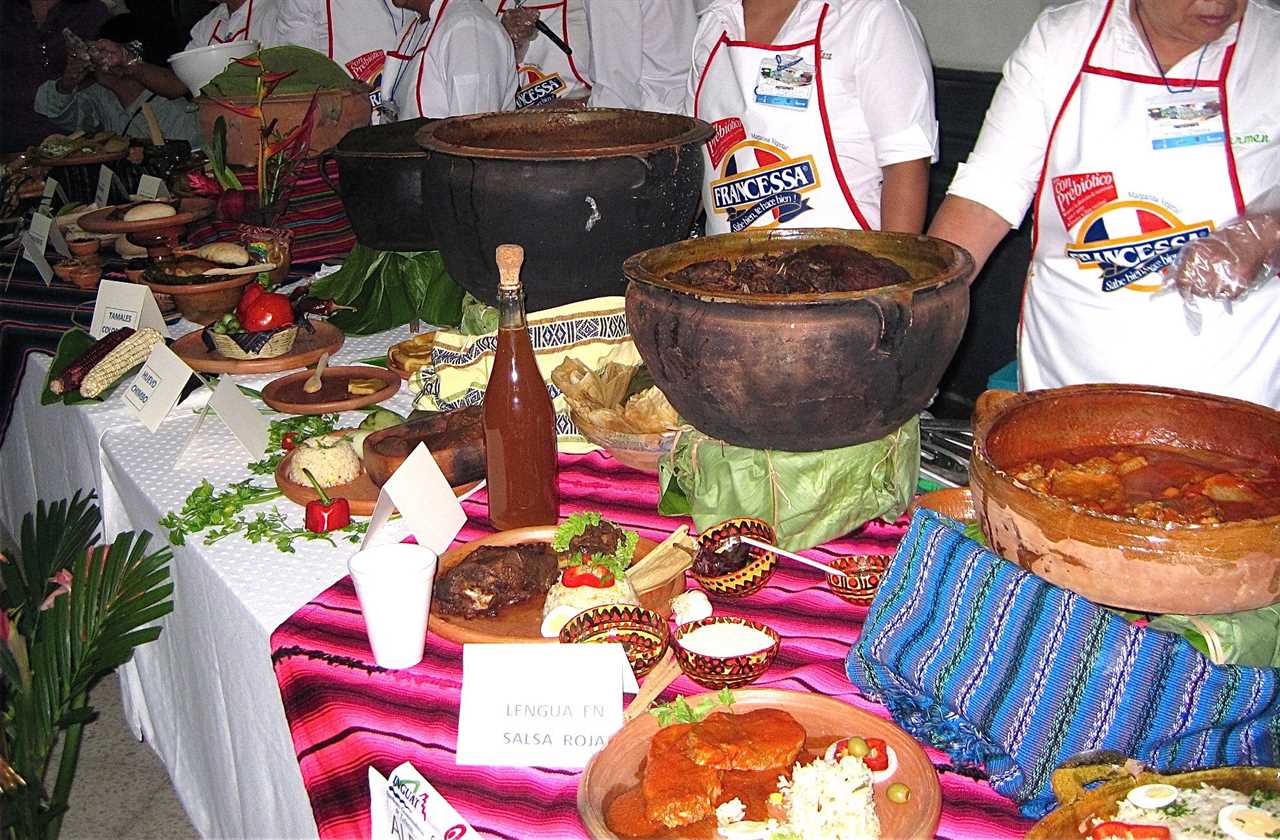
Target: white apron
(546, 73)
(220, 37)
(400, 96)
(772, 161)
(358, 46)
(1131, 174)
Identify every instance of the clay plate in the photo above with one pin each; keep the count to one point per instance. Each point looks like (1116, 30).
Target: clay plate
(361, 494)
(616, 767)
(286, 395)
(111, 219)
(523, 622)
(80, 160)
(307, 350)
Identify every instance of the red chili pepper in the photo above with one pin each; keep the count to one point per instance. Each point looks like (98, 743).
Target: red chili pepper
(877, 758)
(267, 312)
(597, 577)
(324, 514)
(1129, 831)
(288, 441)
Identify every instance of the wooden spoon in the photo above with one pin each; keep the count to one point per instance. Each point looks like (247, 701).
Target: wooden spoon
(662, 675)
(312, 385)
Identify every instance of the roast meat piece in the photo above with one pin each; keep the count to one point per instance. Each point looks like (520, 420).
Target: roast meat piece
(494, 577)
(756, 740)
(676, 790)
(455, 438)
(817, 269)
(597, 539)
(712, 563)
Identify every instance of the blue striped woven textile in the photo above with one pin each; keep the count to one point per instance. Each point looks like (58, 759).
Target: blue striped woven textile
(1005, 671)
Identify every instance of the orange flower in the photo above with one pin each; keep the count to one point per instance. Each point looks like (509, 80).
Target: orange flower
(61, 586)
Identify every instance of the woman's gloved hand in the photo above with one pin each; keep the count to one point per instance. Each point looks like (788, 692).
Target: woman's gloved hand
(1230, 262)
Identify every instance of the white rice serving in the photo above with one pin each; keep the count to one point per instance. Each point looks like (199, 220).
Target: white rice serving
(330, 458)
(1194, 814)
(824, 800)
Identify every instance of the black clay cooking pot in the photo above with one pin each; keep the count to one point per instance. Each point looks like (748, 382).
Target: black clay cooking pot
(580, 190)
(799, 372)
(382, 179)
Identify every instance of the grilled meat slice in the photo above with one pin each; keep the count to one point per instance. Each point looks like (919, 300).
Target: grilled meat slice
(677, 791)
(756, 740)
(494, 577)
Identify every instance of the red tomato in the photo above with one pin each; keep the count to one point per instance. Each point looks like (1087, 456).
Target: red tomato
(267, 312)
(878, 758)
(288, 441)
(1129, 831)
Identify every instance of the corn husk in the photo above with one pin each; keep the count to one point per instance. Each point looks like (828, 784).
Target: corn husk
(598, 398)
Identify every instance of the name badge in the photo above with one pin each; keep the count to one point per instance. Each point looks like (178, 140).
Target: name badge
(1182, 120)
(785, 81)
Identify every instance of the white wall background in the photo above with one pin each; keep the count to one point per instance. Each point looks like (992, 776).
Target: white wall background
(975, 34)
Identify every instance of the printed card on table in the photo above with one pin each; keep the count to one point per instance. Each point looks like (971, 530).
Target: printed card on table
(106, 179)
(154, 391)
(125, 305)
(46, 233)
(537, 705)
(408, 807)
(242, 417)
(33, 252)
(149, 186)
(419, 490)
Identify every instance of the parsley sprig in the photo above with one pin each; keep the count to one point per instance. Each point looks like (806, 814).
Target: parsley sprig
(303, 427)
(204, 508)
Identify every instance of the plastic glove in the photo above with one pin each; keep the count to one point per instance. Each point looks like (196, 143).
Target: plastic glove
(1234, 260)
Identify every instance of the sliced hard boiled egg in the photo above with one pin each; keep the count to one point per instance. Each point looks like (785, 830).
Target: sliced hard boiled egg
(878, 776)
(555, 620)
(1152, 796)
(1242, 822)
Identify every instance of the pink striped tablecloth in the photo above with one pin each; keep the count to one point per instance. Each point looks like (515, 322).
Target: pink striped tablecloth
(346, 714)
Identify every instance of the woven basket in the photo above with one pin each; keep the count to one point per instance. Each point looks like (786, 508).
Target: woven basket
(277, 345)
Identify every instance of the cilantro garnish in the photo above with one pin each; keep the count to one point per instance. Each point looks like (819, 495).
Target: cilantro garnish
(679, 710)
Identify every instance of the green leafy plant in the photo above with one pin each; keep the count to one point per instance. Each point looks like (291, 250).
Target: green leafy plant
(71, 612)
(388, 289)
(679, 710)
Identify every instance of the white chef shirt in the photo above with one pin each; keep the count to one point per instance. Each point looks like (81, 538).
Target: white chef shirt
(1004, 167)
(341, 29)
(640, 53)
(469, 65)
(259, 14)
(877, 76)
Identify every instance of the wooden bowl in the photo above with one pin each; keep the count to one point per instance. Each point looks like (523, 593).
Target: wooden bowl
(639, 451)
(862, 577)
(204, 303)
(643, 633)
(287, 396)
(617, 766)
(1113, 560)
(717, 672)
(752, 577)
(1080, 806)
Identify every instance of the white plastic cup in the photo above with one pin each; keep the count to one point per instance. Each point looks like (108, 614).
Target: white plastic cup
(393, 583)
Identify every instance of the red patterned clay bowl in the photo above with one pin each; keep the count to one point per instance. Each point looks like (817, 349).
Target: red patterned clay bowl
(861, 579)
(716, 672)
(752, 577)
(643, 633)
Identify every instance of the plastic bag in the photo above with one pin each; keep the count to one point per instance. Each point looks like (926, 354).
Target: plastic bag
(1231, 262)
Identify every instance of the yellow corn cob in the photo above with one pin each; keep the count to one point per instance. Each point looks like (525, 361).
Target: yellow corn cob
(131, 352)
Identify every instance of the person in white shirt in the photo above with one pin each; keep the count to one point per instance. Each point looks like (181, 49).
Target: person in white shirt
(549, 73)
(641, 52)
(356, 34)
(236, 20)
(454, 58)
(823, 114)
(1135, 129)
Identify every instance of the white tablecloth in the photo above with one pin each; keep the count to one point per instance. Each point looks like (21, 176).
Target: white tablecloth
(204, 694)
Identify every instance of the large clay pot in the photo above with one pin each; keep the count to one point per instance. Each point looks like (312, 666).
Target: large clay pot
(581, 190)
(799, 372)
(382, 179)
(1113, 560)
(337, 112)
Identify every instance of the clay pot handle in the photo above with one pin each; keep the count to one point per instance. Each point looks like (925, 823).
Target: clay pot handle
(510, 259)
(988, 403)
(1070, 783)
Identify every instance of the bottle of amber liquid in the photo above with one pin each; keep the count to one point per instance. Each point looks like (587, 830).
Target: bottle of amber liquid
(519, 422)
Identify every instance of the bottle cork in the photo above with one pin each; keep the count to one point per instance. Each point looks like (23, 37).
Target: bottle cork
(510, 258)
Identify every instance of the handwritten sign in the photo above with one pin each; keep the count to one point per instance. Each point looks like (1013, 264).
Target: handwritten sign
(155, 390)
(241, 416)
(150, 187)
(537, 705)
(408, 807)
(419, 490)
(125, 305)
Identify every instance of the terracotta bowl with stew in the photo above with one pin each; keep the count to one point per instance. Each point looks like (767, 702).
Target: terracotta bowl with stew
(752, 577)
(1117, 560)
(717, 672)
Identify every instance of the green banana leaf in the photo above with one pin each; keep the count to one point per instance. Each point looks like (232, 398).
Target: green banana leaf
(390, 289)
(70, 347)
(808, 497)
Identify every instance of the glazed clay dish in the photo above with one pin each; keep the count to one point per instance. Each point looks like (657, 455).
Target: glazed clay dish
(1121, 561)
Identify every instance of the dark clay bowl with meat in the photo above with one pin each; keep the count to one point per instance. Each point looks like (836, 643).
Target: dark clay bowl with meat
(1122, 560)
(580, 189)
(791, 340)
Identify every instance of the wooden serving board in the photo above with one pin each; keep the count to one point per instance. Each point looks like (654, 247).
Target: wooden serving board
(111, 219)
(286, 395)
(81, 159)
(523, 622)
(825, 719)
(361, 494)
(306, 350)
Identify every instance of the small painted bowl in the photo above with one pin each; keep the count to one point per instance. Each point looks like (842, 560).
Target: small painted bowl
(716, 672)
(642, 633)
(752, 577)
(861, 579)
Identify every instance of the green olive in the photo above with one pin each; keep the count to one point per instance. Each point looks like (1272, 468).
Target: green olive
(856, 747)
(898, 792)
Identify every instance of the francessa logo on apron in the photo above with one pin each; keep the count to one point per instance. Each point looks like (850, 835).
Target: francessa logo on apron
(1131, 240)
(757, 178)
(538, 88)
